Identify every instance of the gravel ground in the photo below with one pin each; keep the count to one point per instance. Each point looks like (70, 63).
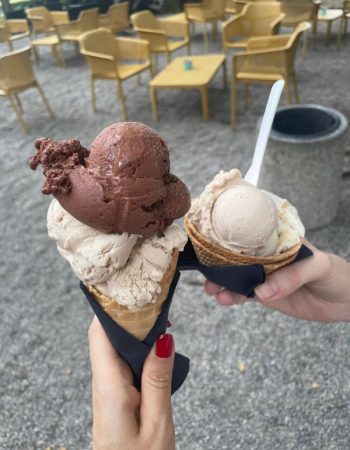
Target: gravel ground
(294, 393)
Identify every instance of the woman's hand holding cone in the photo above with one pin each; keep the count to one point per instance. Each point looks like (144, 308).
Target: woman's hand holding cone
(316, 288)
(124, 418)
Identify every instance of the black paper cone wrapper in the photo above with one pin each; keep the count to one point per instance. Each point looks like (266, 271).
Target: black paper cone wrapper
(133, 351)
(240, 279)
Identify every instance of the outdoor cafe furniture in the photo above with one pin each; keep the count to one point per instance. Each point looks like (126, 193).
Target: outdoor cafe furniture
(12, 30)
(114, 58)
(329, 16)
(164, 36)
(44, 21)
(254, 20)
(116, 19)
(71, 32)
(266, 60)
(344, 21)
(16, 75)
(188, 73)
(208, 11)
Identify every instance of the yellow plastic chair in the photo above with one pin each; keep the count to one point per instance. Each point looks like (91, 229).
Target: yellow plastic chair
(343, 22)
(71, 32)
(16, 75)
(266, 60)
(297, 11)
(114, 58)
(12, 30)
(44, 21)
(116, 19)
(208, 11)
(231, 7)
(163, 35)
(254, 20)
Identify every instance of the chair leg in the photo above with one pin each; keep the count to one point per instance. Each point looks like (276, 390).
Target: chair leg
(10, 45)
(122, 100)
(233, 102)
(58, 56)
(341, 26)
(36, 54)
(288, 97)
(155, 65)
(168, 57)
(18, 114)
(188, 49)
(18, 102)
(214, 30)
(246, 95)
(41, 92)
(303, 54)
(93, 94)
(295, 83)
(205, 36)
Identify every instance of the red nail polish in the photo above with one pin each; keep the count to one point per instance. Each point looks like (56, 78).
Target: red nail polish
(168, 323)
(164, 345)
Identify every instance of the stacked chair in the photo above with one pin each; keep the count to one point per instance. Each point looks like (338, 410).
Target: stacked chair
(44, 23)
(16, 75)
(163, 35)
(116, 19)
(12, 30)
(114, 58)
(208, 11)
(254, 20)
(266, 60)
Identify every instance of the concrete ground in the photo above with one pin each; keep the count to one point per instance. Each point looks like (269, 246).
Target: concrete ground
(295, 390)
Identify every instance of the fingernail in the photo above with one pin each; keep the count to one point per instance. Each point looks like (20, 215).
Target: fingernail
(266, 291)
(164, 345)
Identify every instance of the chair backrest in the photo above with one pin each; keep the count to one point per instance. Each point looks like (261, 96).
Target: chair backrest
(217, 6)
(16, 69)
(144, 19)
(119, 12)
(99, 41)
(298, 11)
(88, 19)
(43, 25)
(256, 18)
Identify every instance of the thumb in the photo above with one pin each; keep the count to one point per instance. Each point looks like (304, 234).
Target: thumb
(156, 382)
(289, 279)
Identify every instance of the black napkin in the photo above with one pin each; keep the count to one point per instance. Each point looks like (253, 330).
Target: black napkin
(240, 279)
(133, 351)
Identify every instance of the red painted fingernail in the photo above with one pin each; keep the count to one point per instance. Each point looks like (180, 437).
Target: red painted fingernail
(168, 323)
(164, 345)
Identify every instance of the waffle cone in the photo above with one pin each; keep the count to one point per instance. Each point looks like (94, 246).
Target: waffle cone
(138, 323)
(211, 254)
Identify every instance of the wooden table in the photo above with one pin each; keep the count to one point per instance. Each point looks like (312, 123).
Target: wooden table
(174, 76)
(329, 16)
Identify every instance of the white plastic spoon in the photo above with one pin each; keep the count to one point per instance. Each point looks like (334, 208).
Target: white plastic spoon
(252, 176)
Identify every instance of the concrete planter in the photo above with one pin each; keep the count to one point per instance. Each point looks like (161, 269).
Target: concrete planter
(304, 159)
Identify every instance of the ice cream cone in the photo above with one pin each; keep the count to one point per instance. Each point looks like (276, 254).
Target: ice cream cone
(138, 323)
(211, 254)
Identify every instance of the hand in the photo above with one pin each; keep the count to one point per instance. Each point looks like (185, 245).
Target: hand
(123, 418)
(316, 288)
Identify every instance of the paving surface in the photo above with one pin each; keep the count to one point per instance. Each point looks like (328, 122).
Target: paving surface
(295, 391)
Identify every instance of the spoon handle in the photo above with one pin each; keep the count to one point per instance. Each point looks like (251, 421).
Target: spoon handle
(252, 176)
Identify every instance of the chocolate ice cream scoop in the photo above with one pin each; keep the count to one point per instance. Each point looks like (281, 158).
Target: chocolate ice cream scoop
(122, 185)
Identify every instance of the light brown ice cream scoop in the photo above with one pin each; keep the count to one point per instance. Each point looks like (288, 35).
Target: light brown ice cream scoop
(122, 185)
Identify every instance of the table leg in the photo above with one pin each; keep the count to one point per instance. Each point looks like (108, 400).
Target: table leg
(329, 27)
(204, 96)
(224, 74)
(153, 94)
